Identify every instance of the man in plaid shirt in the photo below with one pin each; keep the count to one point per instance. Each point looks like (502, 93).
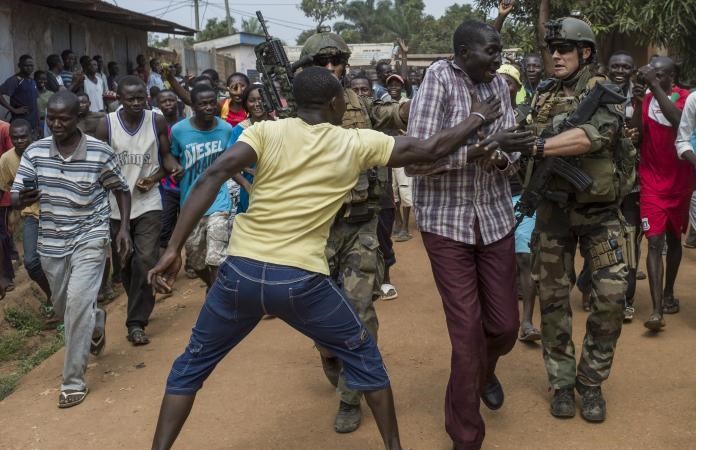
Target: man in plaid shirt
(464, 211)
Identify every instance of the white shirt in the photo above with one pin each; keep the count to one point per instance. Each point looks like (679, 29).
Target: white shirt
(137, 155)
(686, 126)
(155, 79)
(95, 93)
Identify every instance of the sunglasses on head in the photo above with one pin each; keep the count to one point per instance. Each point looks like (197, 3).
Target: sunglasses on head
(561, 47)
(324, 60)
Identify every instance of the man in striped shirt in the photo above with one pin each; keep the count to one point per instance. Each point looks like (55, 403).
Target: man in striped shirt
(70, 174)
(464, 211)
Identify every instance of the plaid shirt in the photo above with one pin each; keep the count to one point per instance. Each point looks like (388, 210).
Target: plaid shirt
(450, 194)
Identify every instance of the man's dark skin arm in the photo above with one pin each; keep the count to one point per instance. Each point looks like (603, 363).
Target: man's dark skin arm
(410, 150)
(669, 109)
(689, 156)
(169, 166)
(503, 11)
(16, 111)
(123, 242)
(177, 88)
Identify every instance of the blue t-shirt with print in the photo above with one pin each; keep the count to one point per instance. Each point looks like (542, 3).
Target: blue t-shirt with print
(196, 150)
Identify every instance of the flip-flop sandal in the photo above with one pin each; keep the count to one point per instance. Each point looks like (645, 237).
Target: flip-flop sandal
(388, 292)
(403, 237)
(670, 305)
(71, 397)
(138, 337)
(655, 323)
(531, 335)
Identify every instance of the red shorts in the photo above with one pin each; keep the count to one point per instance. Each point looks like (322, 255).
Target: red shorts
(661, 214)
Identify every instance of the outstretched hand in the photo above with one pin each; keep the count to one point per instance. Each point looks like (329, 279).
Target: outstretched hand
(163, 275)
(511, 140)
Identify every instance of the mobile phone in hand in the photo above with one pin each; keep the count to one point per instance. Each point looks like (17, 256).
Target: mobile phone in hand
(29, 183)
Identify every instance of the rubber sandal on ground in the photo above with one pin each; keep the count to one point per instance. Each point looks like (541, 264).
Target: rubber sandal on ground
(71, 397)
(138, 337)
(655, 323)
(529, 334)
(670, 305)
(388, 292)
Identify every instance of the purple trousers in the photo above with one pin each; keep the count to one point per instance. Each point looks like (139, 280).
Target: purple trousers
(478, 287)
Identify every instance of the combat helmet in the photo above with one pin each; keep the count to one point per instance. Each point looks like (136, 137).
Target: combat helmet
(573, 30)
(324, 42)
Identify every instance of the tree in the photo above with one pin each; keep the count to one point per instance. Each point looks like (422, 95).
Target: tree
(304, 35)
(153, 40)
(214, 29)
(321, 10)
(251, 25)
(668, 23)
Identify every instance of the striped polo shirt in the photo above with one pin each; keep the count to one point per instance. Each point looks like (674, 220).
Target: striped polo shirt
(73, 204)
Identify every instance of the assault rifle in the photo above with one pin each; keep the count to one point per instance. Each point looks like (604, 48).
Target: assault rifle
(273, 64)
(546, 168)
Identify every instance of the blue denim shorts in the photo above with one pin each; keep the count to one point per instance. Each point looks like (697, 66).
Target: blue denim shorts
(309, 302)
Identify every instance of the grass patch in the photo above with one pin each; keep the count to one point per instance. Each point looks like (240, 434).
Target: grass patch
(8, 382)
(23, 319)
(10, 344)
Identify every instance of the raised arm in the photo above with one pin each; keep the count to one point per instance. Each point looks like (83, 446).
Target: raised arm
(669, 109)
(504, 9)
(410, 150)
(235, 159)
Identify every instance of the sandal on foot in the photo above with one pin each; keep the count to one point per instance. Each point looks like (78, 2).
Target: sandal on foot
(71, 397)
(403, 237)
(670, 305)
(655, 323)
(137, 336)
(529, 334)
(388, 292)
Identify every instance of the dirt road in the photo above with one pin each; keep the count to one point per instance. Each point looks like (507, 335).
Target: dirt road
(270, 392)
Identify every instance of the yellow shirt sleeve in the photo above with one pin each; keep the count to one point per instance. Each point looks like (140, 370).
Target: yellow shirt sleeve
(254, 136)
(373, 148)
(6, 176)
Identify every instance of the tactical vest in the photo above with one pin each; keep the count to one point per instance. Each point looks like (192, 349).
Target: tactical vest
(362, 202)
(612, 167)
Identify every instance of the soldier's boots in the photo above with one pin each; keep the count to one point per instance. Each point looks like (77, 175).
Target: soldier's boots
(592, 403)
(348, 418)
(332, 369)
(563, 404)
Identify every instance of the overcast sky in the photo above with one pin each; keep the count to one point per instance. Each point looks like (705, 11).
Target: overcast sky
(285, 20)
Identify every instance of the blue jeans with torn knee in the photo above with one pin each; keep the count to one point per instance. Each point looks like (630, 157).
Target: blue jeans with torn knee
(309, 302)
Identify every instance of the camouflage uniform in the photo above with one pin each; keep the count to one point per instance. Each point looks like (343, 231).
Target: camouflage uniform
(353, 250)
(591, 219)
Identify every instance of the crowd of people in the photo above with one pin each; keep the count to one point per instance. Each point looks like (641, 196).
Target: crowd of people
(114, 176)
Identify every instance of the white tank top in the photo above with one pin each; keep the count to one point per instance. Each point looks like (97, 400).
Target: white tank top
(137, 154)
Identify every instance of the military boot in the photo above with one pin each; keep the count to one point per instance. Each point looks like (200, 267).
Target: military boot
(563, 404)
(592, 403)
(348, 418)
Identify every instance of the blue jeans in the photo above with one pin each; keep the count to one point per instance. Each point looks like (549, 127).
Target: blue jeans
(33, 265)
(309, 302)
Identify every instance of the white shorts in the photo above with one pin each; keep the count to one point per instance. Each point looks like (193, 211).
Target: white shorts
(401, 187)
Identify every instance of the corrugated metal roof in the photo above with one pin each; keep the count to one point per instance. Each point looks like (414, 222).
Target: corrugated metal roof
(106, 12)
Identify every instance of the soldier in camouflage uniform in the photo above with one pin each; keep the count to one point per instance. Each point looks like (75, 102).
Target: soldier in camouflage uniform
(353, 253)
(591, 219)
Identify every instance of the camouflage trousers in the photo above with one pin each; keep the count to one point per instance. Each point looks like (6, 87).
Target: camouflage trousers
(357, 266)
(595, 228)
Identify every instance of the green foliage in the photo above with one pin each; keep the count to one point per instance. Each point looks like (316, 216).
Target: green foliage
(668, 23)
(321, 10)
(11, 343)
(214, 29)
(153, 40)
(304, 35)
(9, 381)
(23, 319)
(251, 25)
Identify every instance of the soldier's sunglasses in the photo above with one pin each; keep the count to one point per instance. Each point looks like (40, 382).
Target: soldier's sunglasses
(563, 48)
(324, 60)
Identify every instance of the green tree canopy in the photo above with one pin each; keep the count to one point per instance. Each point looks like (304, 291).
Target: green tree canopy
(214, 29)
(321, 10)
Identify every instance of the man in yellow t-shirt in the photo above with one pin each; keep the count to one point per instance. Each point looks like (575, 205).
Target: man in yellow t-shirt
(277, 263)
(21, 136)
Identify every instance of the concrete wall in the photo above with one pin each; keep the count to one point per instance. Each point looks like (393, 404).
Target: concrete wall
(40, 31)
(244, 56)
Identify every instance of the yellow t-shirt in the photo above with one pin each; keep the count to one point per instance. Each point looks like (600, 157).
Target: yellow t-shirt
(9, 163)
(303, 175)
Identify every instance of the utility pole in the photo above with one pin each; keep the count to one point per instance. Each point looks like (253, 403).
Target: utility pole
(196, 15)
(229, 21)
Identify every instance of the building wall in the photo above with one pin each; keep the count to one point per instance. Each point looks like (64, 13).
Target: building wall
(40, 31)
(244, 56)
